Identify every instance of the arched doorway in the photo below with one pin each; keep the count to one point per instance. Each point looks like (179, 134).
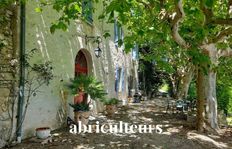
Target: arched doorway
(81, 65)
(84, 66)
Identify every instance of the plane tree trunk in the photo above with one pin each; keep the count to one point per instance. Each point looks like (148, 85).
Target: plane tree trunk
(200, 99)
(210, 87)
(184, 83)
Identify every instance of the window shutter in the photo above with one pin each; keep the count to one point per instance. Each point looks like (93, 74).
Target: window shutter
(116, 79)
(135, 52)
(87, 10)
(122, 34)
(115, 31)
(123, 82)
(90, 14)
(119, 32)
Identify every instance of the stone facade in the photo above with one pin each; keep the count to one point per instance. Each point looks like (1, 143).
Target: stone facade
(49, 107)
(8, 71)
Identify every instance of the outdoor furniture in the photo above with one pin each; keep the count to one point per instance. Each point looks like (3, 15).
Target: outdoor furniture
(170, 105)
(137, 97)
(182, 105)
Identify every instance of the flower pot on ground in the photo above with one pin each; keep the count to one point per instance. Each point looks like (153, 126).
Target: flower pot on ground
(111, 109)
(81, 112)
(82, 116)
(111, 105)
(43, 132)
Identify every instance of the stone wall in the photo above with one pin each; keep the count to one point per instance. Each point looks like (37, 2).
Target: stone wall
(8, 71)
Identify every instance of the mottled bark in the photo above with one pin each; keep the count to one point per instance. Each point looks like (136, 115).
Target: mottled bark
(210, 87)
(174, 82)
(185, 83)
(200, 99)
(176, 18)
(212, 100)
(206, 90)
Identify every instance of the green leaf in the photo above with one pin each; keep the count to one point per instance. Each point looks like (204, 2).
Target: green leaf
(120, 42)
(140, 32)
(102, 16)
(38, 9)
(128, 46)
(222, 45)
(53, 28)
(62, 25)
(209, 3)
(77, 8)
(106, 34)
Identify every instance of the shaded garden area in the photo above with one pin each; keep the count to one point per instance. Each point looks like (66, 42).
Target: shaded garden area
(153, 62)
(177, 132)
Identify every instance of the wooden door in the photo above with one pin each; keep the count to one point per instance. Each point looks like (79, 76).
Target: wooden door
(81, 66)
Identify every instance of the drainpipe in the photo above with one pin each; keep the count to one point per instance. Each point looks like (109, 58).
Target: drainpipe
(22, 73)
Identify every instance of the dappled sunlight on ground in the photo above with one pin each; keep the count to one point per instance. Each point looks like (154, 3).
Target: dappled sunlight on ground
(174, 130)
(177, 133)
(206, 140)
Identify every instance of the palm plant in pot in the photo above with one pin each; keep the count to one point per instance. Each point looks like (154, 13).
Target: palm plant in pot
(111, 105)
(81, 87)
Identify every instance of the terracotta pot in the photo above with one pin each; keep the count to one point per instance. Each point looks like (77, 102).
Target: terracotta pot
(82, 116)
(79, 98)
(111, 109)
(43, 132)
(130, 99)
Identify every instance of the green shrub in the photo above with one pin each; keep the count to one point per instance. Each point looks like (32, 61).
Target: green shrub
(192, 93)
(224, 98)
(89, 85)
(111, 101)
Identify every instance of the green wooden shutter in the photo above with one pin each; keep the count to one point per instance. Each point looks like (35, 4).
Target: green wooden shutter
(87, 10)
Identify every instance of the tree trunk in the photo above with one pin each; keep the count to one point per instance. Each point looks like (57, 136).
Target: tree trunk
(200, 99)
(212, 100)
(174, 82)
(210, 87)
(185, 83)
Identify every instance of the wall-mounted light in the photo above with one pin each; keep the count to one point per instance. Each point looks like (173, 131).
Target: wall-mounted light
(96, 39)
(98, 51)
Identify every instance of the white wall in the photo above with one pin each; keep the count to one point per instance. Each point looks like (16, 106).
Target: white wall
(61, 48)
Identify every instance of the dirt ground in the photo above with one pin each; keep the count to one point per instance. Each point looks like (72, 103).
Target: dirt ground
(177, 133)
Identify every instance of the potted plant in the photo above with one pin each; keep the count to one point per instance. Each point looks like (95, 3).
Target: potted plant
(111, 105)
(84, 84)
(43, 132)
(81, 112)
(81, 87)
(76, 87)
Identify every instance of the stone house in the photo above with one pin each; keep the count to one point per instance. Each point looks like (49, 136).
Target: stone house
(70, 52)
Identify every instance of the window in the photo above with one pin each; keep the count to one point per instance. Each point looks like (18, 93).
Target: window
(87, 10)
(135, 52)
(118, 32)
(119, 80)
